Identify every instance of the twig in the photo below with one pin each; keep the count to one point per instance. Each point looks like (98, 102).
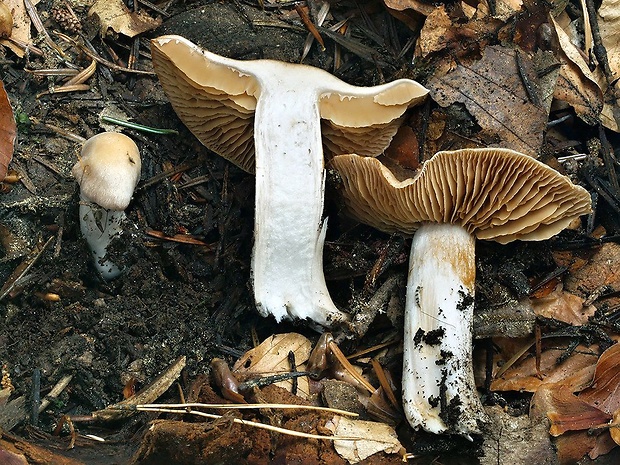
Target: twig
(385, 384)
(251, 406)
(38, 24)
(254, 424)
(309, 25)
(99, 59)
(82, 76)
(22, 269)
(149, 393)
(335, 350)
(55, 392)
(600, 52)
(36, 396)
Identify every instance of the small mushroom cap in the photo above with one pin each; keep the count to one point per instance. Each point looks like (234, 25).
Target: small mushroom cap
(108, 170)
(216, 97)
(495, 194)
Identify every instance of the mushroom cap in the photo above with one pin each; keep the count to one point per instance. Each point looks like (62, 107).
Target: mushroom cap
(108, 170)
(495, 194)
(216, 97)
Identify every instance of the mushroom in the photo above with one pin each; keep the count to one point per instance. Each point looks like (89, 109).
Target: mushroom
(107, 171)
(456, 197)
(265, 116)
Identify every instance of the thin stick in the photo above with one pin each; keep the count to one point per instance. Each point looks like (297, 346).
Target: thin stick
(55, 392)
(38, 24)
(100, 60)
(251, 406)
(254, 424)
(347, 366)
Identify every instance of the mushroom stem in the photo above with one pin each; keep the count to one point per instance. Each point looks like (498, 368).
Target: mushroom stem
(439, 391)
(99, 226)
(287, 261)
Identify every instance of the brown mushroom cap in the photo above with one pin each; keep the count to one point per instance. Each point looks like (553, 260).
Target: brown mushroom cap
(108, 170)
(495, 194)
(216, 97)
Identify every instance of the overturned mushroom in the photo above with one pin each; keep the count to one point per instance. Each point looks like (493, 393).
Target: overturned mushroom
(265, 116)
(493, 194)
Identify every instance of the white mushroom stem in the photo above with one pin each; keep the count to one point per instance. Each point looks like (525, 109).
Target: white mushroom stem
(287, 262)
(99, 226)
(439, 392)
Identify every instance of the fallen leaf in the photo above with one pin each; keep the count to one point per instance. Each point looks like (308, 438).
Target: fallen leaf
(8, 132)
(114, 14)
(614, 431)
(577, 85)
(418, 6)
(271, 357)
(609, 29)
(21, 26)
(565, 410)
(384, 438)
(563, 306)
(494, 93)
(575, 372)
(596, 273)
(604, 393)
(10, 458)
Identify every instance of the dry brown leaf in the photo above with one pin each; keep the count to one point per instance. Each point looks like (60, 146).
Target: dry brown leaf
(565, 410)
(563, 306)
(604, 393)
(494, 93)
(8, 132)
(609, 28)
(577, 85)
(114, 14)
(21, 25)
(596, 273)
(434, 33)
(604, 444)
(614, 430)
(384, 438)
(575, 372)
(415, 5)
(271, 357)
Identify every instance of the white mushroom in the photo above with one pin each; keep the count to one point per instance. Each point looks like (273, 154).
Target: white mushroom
(107, 171)
(493, 194)
(265, 116)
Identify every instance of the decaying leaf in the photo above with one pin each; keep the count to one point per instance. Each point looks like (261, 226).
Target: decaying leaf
(418, 6)
(565, 410)
(614, 430)
(379, 438)
(21, 25)
(604, 393)
(575, 372)
(495, 92)
(271, 357)
(577, 85)
(8, 132)
(596, 273)
(114, 14)
(563, 306)
(609, 29)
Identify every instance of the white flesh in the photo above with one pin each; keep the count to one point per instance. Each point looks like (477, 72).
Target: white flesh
(439, 392)
(98, 227)
(287, 262)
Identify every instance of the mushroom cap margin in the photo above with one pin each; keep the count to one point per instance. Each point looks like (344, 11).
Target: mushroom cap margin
(495, 194)
(215, 97)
